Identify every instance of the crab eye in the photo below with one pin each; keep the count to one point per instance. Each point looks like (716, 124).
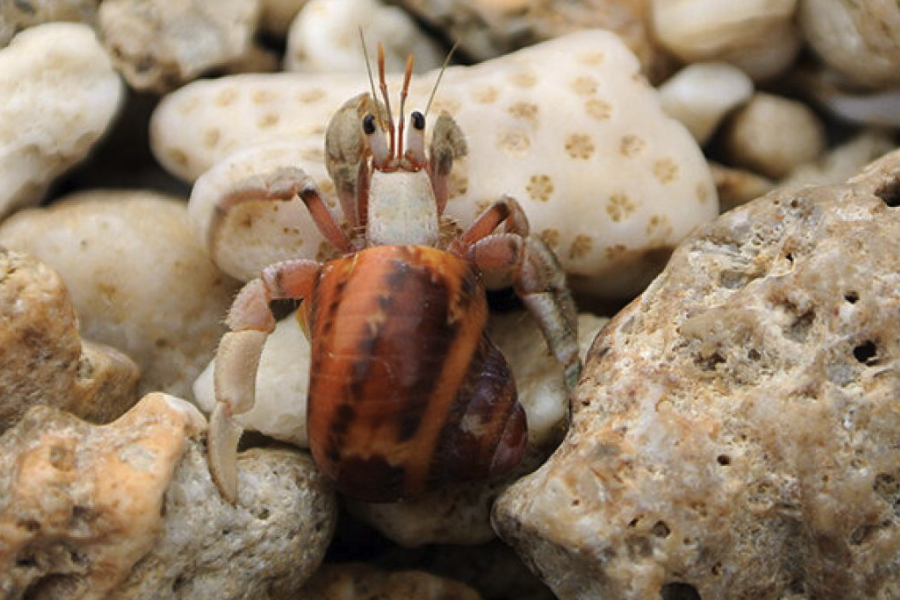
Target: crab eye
(415, 139)
(377, 141)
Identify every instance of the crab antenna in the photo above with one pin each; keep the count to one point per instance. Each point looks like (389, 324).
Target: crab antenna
(440, 75)
(387, 101)
(362, 39)
(404, 92)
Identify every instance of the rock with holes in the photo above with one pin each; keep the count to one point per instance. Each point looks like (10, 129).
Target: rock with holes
(358, 581)
(43, 360)
(138, 278)
(60, 94)
(160, 44)
(128, 511)
(735, 433)
(266, 546)
(16, 16)
(81, 504)
(568, 127)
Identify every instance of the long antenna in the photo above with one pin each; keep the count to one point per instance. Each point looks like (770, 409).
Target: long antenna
(387, 101)
(362, 39)
(440, 75)
(404, 92)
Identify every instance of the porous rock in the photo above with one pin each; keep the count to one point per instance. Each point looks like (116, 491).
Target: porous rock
(735, 433)
(263, 548)
(357, 581)
(325, 38)
(568, 127)
(138, 278)
(80, 504)
(16, 16)
(160, 44)
(43, 360)
(60, 95)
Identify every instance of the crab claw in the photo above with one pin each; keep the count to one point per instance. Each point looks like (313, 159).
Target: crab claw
(222, 442)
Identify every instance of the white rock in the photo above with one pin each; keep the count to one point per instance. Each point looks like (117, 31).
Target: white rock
(701, 94)
(771, 135)
(159, 44)
(281, 385)
(16, 16)
(324, 38)
(861, 40)
(756, 35)
(277, 15)
(568, 127)
(60, 94)
(843, 161)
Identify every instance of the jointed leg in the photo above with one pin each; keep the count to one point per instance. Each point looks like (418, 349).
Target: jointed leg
(237, 360)
(537, 277)
(282, 185)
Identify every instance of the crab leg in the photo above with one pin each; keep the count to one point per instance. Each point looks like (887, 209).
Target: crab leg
(281, 185)
(237, 360)
(537, 276)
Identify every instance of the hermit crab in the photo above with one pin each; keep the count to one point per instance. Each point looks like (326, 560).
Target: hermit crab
(406, 390)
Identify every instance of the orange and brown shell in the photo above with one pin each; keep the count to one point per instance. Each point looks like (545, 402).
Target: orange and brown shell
(406, 390)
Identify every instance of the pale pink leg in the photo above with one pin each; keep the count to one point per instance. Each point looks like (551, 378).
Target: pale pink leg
(537, 277)
(282, 185)
(237, 360)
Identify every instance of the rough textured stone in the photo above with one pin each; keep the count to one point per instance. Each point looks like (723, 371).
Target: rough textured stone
(80, 504)
(60, 94)
(43, 361)
(22, 14)
(568, 127)
(356, 581)
(735, 434)
(139, 280)
(160, 44)
(263, 548)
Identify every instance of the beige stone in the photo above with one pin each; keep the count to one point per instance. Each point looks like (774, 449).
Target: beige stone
(60, 94)
(842, 161)
(738, 186)
(701, 94)
(263, 548)
(16, 16)
(43, 360)
(277, 15)
(357, 581)
(568, 127)
(772, 135)
(139, 280)
(758, 36)
(160, 44)
(81, 504)
(324, 38)
(861, 40)
(489, 28)
(735, 433)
